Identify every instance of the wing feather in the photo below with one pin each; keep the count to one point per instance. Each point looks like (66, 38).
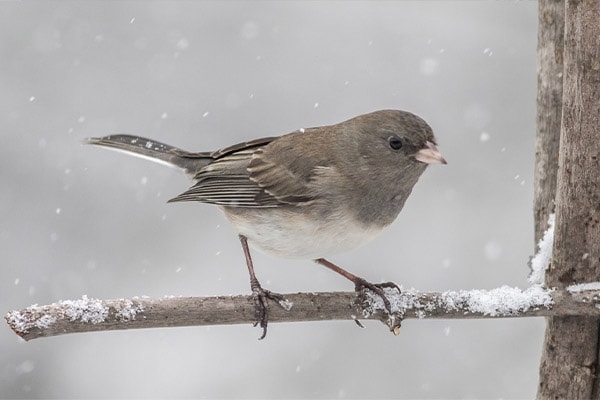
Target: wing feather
(256, 174)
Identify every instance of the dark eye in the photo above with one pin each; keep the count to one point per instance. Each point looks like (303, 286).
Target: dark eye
(395, 142)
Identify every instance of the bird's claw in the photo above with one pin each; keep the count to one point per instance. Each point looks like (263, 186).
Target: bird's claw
(261, 305)
(393, 319)
(377, 288)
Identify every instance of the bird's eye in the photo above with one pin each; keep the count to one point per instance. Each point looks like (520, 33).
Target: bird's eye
(395, 142)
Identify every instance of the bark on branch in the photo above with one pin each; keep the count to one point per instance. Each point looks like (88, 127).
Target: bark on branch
(86, 314)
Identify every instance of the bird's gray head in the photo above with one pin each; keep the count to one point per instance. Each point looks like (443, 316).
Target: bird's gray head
(389, 150)
(394, 136)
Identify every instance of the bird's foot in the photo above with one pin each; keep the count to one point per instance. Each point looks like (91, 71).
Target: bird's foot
(360, 284)
(393, 319)
(261, 305)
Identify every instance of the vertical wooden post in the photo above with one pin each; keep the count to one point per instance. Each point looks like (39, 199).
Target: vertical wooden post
(551, 23)
(569, 366)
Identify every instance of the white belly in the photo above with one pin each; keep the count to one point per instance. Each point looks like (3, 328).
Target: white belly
(284, 233)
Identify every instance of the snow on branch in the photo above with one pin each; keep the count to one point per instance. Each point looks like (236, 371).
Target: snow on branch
(88, 314)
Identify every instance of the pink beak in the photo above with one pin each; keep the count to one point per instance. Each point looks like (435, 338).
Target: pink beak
(430, 155)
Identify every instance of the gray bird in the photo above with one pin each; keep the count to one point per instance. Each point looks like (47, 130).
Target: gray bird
(309, 194)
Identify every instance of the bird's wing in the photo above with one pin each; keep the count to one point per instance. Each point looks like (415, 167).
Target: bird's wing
(254, 174)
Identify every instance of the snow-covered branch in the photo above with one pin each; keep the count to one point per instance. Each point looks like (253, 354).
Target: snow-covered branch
(88, 314)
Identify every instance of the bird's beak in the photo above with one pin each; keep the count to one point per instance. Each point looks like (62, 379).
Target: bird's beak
(430, 155)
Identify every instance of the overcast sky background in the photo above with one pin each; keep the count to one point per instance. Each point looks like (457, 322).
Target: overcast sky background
(202, 75)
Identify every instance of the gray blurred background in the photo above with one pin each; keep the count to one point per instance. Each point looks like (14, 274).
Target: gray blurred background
(202, 75)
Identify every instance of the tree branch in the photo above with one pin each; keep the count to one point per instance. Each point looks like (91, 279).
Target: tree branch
(87, 314)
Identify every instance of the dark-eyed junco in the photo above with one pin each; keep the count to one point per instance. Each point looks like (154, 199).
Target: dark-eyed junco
(309, 194)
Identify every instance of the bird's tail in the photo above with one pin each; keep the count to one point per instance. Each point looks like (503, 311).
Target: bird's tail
(155, 151)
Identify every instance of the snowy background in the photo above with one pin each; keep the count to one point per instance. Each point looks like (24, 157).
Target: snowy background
(202, 75)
